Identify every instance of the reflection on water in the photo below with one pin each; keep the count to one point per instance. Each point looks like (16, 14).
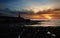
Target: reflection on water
(54, 19)
(53, 22)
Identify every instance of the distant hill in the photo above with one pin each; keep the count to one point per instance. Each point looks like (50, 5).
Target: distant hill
(57, 9)
(6, 12)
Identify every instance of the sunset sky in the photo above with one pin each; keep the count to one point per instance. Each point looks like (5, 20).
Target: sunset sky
(30, 4)
(35, 5)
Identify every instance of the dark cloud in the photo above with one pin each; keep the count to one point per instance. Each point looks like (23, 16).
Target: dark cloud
(2, 5)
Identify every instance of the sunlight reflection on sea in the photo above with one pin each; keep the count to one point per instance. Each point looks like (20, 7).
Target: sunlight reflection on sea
(53, 22)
